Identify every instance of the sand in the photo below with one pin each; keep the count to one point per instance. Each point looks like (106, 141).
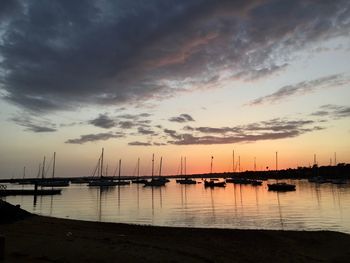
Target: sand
(43, 239)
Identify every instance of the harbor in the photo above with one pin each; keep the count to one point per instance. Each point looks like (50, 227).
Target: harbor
(311, 206)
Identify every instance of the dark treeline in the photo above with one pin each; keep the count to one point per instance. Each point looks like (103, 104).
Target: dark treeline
(342, 170)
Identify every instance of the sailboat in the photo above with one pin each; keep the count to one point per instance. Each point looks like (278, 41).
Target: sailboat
(138, 180)
(156, 181)
(282, 187)
(213, 182)
(186, 180)
(101, 181)
(52, 182)
(119, 182)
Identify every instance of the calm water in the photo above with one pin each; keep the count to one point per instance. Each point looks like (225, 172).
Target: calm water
(311, 206)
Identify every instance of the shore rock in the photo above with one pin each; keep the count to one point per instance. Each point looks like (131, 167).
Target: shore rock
(11, 213)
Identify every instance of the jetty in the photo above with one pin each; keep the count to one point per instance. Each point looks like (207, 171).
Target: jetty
(11, 192)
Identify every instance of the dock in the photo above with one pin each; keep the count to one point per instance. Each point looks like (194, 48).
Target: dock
(9, 192)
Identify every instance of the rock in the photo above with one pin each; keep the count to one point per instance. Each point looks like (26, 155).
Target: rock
(10, 213)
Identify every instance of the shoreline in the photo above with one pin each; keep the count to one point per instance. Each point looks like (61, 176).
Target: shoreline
(34, 238)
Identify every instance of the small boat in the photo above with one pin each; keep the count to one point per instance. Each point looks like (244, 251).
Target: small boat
(281, 187)
(156, 181)
(255, 182)
(212, 183)
(187, 181)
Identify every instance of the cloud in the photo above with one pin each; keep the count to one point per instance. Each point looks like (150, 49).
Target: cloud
(34, 125)
(94, 137)
(302, 88)
(128, 121)
(182, 118)
(144, 131)
(103, 121)
(265, 130)
(333, 111)
(136, 143)
(60, 55)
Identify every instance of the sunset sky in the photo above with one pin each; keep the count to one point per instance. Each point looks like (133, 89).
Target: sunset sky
(190, 78)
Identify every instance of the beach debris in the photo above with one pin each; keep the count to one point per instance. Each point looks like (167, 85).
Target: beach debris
(69, 236)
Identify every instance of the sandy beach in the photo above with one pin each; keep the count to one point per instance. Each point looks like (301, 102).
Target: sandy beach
(31, 238)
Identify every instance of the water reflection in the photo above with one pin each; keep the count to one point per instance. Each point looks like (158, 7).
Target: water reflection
(311, 206)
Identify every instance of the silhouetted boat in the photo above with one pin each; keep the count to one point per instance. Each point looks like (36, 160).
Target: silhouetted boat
(138, 180)
(255, 182)
(53, 182)
(281, 187)
(121, 182)
(212, 183)
(102, 182)
(156, 181)
(186, 180)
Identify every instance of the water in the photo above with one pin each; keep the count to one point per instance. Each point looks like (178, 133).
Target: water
(310, 207)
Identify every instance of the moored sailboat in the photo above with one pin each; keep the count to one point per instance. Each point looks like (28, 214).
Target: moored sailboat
(138, 180)
(156, 181)
(101, 181)
(53, 182)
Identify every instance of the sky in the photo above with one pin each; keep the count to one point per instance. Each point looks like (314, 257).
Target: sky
(177, 78)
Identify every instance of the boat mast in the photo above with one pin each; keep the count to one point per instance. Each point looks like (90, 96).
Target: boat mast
(185, 167)
(101, 169)
(43, 169)
(24, 172)
(120, 165)
(54, 164)
(239, 163)
(138, 167)
(39, 170)
(233, 161)
(255, 164)
(276, 161)
(152, 165)
(181, 167)
(160, 167)
(211, 165)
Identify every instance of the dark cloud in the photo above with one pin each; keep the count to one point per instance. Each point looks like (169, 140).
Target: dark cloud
(266, 130)
(126, 124)
(103, 121)
(142, 130)
(302, 88)
(182, 118)
(9, 8)
(134, 116)
(128, 121)
(58, 55)
(34, 125)
(333, 111)
(136, 143)
(94, 137)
